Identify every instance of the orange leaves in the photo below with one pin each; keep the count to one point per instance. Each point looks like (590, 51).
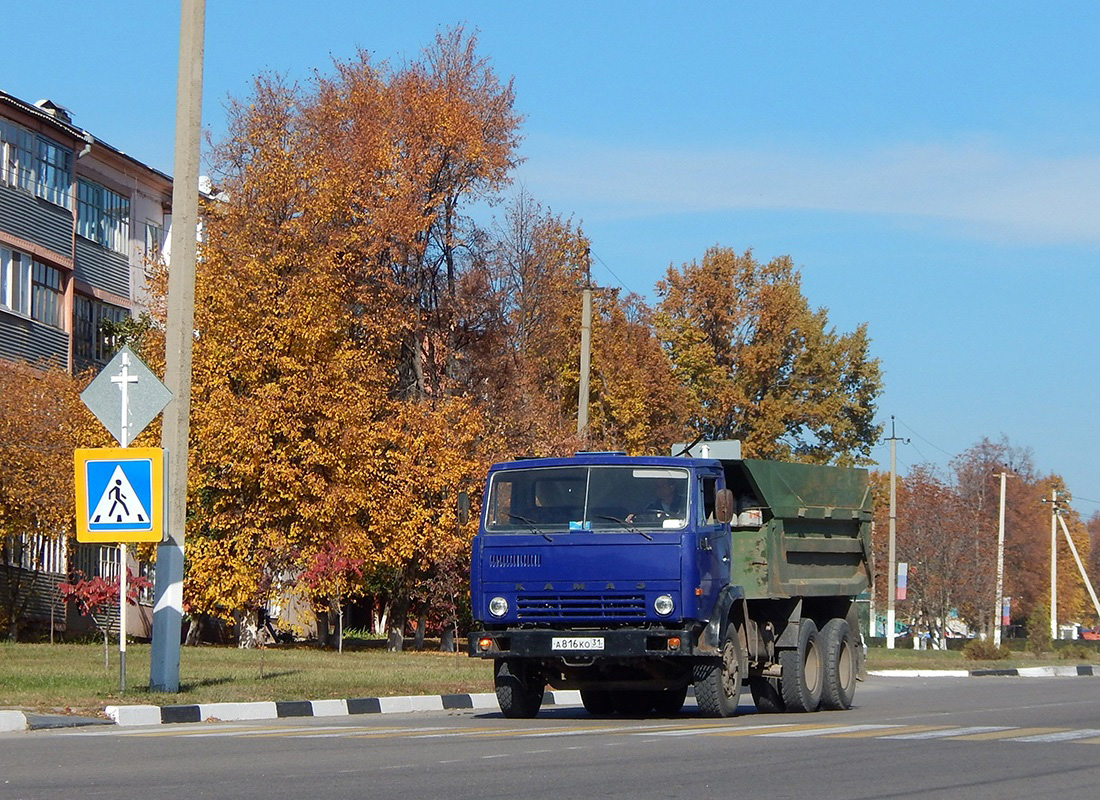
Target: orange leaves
(41, 423)
(762, 365)
(325, 289)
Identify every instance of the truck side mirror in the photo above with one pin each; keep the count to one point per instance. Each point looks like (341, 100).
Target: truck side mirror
(463, 508)
(723, 506)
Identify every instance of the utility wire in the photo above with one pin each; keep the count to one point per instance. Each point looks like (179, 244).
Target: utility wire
(613, 275)
(926, 441)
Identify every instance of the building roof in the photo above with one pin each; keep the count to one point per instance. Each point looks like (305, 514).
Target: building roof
(59, 118)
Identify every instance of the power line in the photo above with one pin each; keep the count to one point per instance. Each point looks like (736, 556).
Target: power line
(613, 275)
(926, 441)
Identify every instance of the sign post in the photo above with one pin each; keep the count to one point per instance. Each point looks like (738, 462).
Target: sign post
(120, 491)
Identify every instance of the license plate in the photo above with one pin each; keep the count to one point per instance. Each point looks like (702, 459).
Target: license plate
(576, 643)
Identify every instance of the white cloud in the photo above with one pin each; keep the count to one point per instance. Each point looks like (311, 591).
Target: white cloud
(982, 190)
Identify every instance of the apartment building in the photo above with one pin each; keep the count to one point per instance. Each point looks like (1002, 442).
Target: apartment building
(79, 219)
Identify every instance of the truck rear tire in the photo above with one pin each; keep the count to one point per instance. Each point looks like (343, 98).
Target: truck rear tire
(840, 657)
(669, 701)
(766, 695)
(597, 701)
(718, 680)
(519, 690)
(632, 702)
(802, 671)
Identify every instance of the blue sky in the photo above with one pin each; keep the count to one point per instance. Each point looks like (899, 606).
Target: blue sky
(933, 169)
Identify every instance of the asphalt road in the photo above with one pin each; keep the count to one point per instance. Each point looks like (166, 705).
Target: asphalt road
(973, 738)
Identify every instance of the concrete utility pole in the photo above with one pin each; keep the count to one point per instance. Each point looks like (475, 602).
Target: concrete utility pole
(1080, 567)
(1054, 563)
(1000, 566)
(586, 348)
(892, 558)
(164, 669)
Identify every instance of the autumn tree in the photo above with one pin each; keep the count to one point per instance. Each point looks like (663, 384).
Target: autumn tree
(325, 307)
(98, 599)
(40, 415)
(937, 546)
(764, 367)
(526, 370)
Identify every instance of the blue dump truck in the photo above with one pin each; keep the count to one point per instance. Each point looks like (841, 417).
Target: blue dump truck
(633, 578)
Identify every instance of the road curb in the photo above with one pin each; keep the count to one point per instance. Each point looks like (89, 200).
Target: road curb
(1020, 672)
(127, 716)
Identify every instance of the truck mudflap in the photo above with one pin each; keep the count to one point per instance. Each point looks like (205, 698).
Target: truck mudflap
(583, 645)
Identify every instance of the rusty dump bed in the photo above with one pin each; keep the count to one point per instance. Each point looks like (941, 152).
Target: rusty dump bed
(802, 529)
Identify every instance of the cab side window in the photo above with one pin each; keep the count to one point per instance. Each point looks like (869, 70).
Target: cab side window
(708, 488)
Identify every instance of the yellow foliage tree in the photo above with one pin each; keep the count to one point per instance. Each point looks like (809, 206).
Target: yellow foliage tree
(324, 407)
(40, 417)
(764, 367)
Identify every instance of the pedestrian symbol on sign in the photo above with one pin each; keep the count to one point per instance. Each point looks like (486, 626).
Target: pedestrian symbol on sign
(119, 503)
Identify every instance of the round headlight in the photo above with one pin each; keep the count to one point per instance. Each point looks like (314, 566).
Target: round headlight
(498, 606)
(663, 605)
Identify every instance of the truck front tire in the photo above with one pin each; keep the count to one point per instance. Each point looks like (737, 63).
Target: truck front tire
(519, 689)
(718, 680)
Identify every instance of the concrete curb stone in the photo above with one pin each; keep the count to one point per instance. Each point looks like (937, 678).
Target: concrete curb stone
(138, 715)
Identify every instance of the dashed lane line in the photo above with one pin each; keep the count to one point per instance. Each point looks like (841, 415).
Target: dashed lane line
(1007, 733)
(1062, 736)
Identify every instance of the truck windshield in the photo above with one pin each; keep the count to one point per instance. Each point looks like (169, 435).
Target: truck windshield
(587, 498)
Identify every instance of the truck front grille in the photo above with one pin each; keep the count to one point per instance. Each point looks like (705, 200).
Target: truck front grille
(579, 606)
(515, 560)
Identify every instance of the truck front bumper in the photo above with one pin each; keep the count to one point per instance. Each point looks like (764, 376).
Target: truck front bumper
(574, 645)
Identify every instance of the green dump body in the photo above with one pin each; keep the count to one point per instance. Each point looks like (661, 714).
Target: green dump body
(802, 530)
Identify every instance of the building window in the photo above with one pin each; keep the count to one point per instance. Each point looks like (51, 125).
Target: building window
(29, 287)
(46, 294)
(102, 216)
(154, 240)
(15, 281)
(92, 342)
(34, 163)
(55, 172)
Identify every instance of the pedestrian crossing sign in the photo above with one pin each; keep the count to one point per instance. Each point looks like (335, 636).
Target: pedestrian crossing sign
(120, 494)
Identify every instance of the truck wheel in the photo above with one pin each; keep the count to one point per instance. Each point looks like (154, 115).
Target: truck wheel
(839, 655)
(766, 695)
(632, 702)
(669, 701)
(519, 691)
(597, 701)
(802, 671)
(718, 680)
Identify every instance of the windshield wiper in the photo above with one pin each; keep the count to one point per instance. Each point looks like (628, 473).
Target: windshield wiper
(530, 523)
(628, 525)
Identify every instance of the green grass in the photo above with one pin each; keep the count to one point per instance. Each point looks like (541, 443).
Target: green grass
(70, 678)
